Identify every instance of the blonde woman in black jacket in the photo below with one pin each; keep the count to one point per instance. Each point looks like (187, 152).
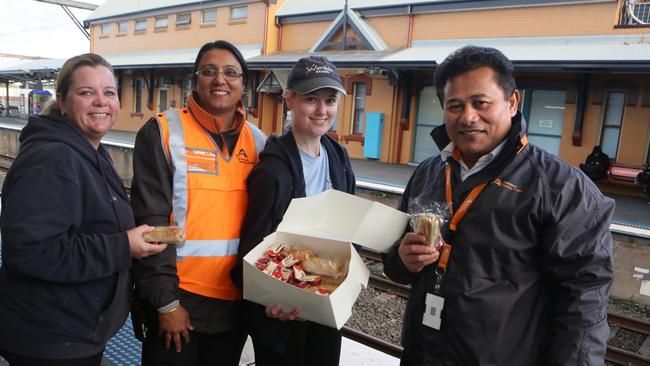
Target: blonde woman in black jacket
(302, 162)
(68, 232)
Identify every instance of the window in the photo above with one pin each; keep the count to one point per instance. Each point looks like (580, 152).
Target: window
(359, 108)
(140, 25)
(106, 29)
(239, 12)
(612, 123)
(209, 16)
(161, 22)
(429, 116)
(162, 100)
(137, 91)
(183, 19)
(544, 111)
(122, 27)
(186, 89)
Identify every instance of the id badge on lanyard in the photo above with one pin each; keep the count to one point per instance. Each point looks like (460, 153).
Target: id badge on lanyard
(434, 302)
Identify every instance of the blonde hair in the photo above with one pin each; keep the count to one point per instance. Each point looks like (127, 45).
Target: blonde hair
(64, 78)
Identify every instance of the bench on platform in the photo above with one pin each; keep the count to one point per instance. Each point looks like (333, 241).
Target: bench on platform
(623, 175)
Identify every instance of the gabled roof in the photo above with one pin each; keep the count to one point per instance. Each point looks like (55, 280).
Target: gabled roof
(118, 8)
(364, 30)
(274, 82)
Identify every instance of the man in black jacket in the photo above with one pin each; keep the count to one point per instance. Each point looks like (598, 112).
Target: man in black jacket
(525, 272)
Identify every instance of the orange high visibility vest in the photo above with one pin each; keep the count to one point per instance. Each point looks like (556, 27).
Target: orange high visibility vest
(209, 200)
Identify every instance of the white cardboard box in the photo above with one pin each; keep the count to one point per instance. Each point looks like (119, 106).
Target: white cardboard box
(327, 223)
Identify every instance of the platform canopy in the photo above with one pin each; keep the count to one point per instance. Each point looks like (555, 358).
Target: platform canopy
(578, 53)
(32, 71)
(168, 58)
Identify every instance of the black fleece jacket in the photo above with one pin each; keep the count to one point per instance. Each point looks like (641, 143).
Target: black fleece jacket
(273, 183)
(64, 280)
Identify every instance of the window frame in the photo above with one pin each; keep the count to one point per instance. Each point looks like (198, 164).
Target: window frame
(138, 85)
(124, 23)
(105, 29)
(209, 10)
(604, 126)
(355, 97)
(140, 21)
(238, 19)
(158, 18)
(180, 16)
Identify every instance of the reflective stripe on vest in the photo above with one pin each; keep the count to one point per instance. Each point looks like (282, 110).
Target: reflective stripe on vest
(209, 200)
(177, 152)
(208, 248)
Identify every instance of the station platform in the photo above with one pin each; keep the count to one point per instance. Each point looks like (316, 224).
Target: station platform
(630, 212)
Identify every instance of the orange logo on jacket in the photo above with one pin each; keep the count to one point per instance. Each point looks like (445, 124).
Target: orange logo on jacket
(507, 185)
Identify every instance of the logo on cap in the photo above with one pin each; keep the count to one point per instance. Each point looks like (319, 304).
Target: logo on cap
(318, 69)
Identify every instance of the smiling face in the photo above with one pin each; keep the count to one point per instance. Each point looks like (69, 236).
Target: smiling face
(477, 113)
(217, 95)
(312, 114)
(91, 101)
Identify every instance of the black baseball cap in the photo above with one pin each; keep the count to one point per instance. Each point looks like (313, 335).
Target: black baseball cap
(312, 73)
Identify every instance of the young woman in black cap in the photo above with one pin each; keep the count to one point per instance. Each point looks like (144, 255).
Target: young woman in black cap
(304, 161)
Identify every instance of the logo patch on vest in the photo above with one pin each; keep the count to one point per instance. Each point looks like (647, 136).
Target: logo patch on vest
(507, 185)
(243, 157)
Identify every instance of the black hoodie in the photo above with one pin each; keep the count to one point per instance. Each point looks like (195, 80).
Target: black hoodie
(65, 276)
(273, 183)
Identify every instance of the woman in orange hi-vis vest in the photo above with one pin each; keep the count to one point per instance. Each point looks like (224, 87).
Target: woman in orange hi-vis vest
(190, 168)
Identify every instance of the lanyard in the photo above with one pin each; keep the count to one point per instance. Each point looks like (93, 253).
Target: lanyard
(459, 215)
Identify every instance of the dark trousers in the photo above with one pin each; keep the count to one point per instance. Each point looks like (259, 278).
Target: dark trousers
(223, 349)
(309, 344)
(18, 360)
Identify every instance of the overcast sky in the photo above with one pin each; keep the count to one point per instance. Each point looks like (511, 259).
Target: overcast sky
(33, 28)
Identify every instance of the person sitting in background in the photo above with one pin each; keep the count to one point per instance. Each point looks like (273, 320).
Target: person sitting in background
(596, 165)
(644, 179)
(68, 232)
(303, 161)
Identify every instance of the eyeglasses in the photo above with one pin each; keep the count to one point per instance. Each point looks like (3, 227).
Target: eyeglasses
(211, 73)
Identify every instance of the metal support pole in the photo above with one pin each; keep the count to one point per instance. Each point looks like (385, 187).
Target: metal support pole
(7, 98)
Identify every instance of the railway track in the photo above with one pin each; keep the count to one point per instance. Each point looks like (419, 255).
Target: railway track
(5, 162)
(617, 321)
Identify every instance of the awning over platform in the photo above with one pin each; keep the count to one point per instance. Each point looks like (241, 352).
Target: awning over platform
(629, 52)
(626, 52)
(44, 69)
(340, 58)
(168, 58)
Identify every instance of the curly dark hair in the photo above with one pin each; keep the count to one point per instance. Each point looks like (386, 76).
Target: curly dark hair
(470, 58)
